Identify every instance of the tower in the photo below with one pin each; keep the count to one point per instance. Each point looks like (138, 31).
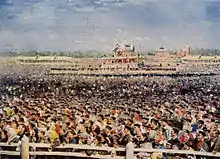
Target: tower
(187, 53)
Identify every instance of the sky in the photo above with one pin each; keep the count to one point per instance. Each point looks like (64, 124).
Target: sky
(72, 25)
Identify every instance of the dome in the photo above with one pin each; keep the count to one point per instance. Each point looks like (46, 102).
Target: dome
(161, 49)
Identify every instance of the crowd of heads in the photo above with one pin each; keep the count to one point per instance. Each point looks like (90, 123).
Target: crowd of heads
(152, 112)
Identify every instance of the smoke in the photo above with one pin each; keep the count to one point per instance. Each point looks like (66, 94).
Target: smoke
(70, 25)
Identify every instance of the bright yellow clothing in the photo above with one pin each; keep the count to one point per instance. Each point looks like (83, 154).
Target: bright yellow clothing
(53, 136)
(8, 111)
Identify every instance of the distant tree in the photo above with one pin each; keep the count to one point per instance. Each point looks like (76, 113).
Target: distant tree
(61, 53)
(150, 53)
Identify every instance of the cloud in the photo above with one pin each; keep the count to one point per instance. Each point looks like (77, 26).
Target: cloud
(147, 38)
(98, 24)
(138, 38)
(78, 42)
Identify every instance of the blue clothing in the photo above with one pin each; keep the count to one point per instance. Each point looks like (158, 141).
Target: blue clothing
(72, 141)
(194, 128)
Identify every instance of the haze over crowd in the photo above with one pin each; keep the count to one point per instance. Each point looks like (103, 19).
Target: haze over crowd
(70, 25)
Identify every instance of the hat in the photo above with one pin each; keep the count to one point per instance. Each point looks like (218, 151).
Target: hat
(108, 127)
(127, 127)
(201, 122)
(130, 120)
(205, 115)
(202, 132)
(137, 125)
(176, 130)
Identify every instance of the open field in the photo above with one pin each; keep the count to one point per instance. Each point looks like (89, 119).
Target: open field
(63, 59)
(89, 66)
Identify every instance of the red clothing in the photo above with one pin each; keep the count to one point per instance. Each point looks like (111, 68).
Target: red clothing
(137, 117)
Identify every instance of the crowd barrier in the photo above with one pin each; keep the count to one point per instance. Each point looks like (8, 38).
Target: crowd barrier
(28, 150)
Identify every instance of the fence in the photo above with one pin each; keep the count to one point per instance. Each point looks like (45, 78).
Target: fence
(31, 149)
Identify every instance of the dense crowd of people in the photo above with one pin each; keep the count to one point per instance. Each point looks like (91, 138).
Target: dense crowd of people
(199, 68)
(152, 112)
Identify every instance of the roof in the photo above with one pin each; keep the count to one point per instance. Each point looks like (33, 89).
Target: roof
(161, 49)
(120, 57)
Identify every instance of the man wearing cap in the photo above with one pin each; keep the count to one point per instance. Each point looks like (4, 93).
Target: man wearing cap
(174, 137)
(200, 143)
(217, 145)
(108, 136)
(126, 136)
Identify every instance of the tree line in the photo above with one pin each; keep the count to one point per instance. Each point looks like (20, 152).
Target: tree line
(98, 54)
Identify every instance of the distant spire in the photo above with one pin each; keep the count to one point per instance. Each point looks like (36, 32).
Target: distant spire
(161, 47)
(133, 49)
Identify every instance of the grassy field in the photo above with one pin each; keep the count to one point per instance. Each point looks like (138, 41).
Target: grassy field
(42, 58)
(147, 58)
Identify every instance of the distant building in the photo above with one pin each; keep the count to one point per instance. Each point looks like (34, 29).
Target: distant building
(122, 54)
(187, 51)
(161, 52)
(124, 50)
(184, 52)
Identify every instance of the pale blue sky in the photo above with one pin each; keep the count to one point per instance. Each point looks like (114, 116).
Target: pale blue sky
(98, 24)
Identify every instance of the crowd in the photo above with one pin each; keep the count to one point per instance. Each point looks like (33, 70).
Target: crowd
(199, 68)
(152, 112)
